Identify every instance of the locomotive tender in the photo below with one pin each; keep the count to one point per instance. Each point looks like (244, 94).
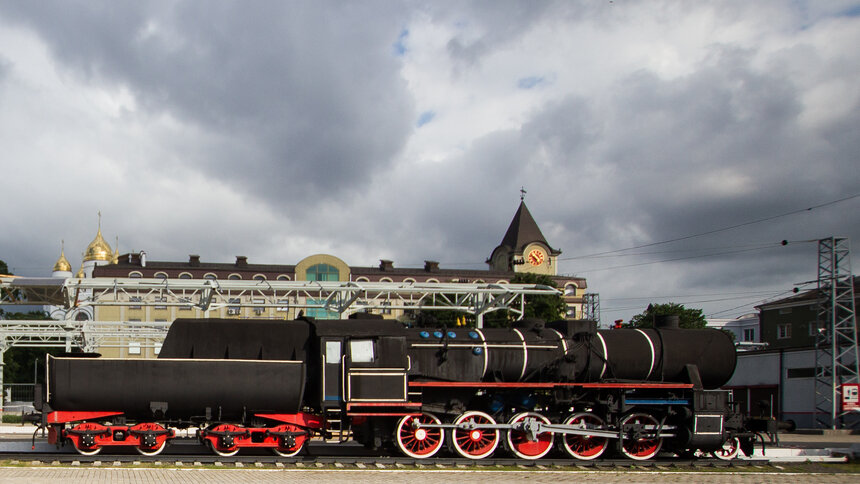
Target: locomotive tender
(534, 387)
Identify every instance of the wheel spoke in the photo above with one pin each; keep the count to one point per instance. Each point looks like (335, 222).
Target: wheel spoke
(416, 441)
(474, 443)
(584, 447)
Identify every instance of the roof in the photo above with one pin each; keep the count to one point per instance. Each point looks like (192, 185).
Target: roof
(804, 297)
(523, 231)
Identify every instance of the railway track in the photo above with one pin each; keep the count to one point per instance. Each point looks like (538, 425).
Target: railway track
(347, 456)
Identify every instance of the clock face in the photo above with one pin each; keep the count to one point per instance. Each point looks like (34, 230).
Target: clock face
(535, 257)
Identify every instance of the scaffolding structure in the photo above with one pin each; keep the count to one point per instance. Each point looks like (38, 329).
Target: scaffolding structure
(836, 353)
(591, 307)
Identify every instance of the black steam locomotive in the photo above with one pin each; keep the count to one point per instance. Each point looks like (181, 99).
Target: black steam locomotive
(532, 388)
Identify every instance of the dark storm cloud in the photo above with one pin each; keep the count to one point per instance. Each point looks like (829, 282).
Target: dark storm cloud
(304, 98)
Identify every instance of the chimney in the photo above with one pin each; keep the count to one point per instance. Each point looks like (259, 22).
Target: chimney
(241, 261)
(194, 260)
(142, 259)
(431, 266)
(385, 265)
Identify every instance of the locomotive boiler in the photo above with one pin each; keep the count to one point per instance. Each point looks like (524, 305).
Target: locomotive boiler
(531, 388)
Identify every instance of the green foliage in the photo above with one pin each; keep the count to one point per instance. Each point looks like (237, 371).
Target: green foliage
(688, 318)
(4, 269)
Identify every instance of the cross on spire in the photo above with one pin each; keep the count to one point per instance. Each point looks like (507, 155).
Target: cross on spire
(522, 194)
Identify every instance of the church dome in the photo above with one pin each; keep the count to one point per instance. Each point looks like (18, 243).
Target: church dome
(62, 264)
(80, 274)
(98, 250)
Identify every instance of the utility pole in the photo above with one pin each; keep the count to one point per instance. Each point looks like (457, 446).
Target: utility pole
(836, 353)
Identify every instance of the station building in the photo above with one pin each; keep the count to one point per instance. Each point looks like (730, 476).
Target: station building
(523, 249)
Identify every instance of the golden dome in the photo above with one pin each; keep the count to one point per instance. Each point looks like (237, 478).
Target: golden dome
(80, 273)
(62, 264)
(98, 249)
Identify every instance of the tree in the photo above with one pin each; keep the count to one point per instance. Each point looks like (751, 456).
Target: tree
(547, 307)
(688, 318)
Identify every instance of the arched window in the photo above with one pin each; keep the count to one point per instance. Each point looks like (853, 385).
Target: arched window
(362, 279)
(185, 275)
(135, 275)
(386, 279)
(210, 277)
(570, 290)
(259, 277)
(322, 272)
(409, 280)
(234, 277)
(161, 275)
(283, 277)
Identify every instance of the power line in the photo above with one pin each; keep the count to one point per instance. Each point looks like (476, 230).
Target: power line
(675, 259)
(709, 232)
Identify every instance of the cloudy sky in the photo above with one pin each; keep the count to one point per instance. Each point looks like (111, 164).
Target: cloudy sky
(404, 130)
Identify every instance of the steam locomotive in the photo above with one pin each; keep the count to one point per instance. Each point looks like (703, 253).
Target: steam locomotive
(531, 388)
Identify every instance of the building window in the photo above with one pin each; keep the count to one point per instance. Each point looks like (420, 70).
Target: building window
(210, 277)
(386, 307)
(320, 313)
(283, 277)
(783, 331)
(259, 277)
(161, 275)
(322, 272)
(134, 299)
(185, 300)
(571, 312)
(283, 305)
(135, 275)
(749, 334)
(162, 299)
(570, 290)
(157, 348)
(185, 275)
(234, 308)
(234, 277)
(134, 348)
(362, 279)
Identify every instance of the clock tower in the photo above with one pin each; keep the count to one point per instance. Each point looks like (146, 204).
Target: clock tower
(524, 248)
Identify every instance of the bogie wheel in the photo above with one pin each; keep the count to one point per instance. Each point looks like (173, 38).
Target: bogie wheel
(160, 442)
(518, 440)
(80, 446)
(474, 443)
(298, 446)
(637, 444)
(730, 449)
(215, 444)
(416, 441)
(151, 451)
(584, 447)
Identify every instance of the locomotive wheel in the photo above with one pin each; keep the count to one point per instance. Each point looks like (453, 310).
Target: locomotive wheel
(419, 443)
(300, 441)
(731, 448)
(474, 443)
(634, 445)
(521, 446)
(584, 447)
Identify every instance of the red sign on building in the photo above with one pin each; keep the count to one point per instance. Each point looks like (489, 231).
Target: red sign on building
(850, 397)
